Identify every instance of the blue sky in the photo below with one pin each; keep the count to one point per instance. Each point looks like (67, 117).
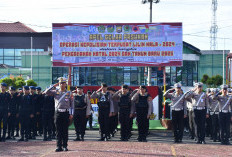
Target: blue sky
(195, 15)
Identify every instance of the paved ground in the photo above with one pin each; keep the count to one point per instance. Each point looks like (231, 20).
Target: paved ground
(159, 144)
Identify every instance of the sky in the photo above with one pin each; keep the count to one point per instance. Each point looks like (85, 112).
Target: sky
(196, 15)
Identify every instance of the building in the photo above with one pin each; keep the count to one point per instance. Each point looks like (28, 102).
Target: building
(211, 63)
(20, 45)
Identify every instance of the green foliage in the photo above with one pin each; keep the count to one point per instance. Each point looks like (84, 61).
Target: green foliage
(213, 81)
(31, 83)
(218, 80)
(209, 82)
(20, 83)
(17, 82)
(205, 78)
(7, 80)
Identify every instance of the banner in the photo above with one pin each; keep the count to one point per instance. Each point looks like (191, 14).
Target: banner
(129, 44)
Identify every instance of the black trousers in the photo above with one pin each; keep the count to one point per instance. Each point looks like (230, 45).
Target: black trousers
(208, 127)
(199, 117)
(113, 123)
(62, 123)
(143, 122)
(3, 118)
(104, 120)
(124, 119)
(224, 121)
(11, 124)
(178, 124)
(215, 126)
(47, 119)
(80, 121)
(90, 119)
(17, 124)
(33, 126)
(25, 124)
(131, 125)
(38, 123)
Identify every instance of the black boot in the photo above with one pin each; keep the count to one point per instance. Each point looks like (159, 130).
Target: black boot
(102, 138)
(78, 138)
(82, 137)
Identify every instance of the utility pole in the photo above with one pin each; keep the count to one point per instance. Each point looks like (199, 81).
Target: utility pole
(149, 68)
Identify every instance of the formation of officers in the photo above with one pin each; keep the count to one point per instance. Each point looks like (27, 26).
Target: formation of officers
(212, 108)
(50, 112)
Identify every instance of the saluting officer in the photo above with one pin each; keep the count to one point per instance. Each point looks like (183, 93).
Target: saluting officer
(105, 110)
(4, 110)
(82, 109)
(26, 113)
(126, 110)
(63, 112)
(214, 111)
(13, 109)
(200, 103)
(225, 114)
(179, 111)
(143, 105)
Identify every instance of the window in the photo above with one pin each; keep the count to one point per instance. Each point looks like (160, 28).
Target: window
(9, 52)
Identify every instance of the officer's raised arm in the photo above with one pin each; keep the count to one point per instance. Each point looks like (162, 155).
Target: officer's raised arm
(50, 90)
(135, 97)
(116, 96)
(167, 93)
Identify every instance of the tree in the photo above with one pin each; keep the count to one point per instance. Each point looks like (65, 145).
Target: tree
(20, 83)
(31, 83)
(205, 78)
(7, 80)
(218, 80)
(209, 82)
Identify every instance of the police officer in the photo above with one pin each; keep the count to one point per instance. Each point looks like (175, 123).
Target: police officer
(48, 109)
(63, 112)
(225, 115)
(39, 111)
(26, 113)
(125, 110)
(179, 111)
(143, 105)
(214, 111)
(105, 110)
(200, 103)
(4, 109)
(13, 109)
(81, 112)
(33, 122)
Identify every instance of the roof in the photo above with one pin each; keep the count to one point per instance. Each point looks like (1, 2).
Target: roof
(15, 27)
(192, 47)
(5, 66)
(206, 52)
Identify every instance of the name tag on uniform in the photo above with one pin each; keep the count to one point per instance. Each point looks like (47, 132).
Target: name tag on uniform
(58, 93)
(202, 100)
